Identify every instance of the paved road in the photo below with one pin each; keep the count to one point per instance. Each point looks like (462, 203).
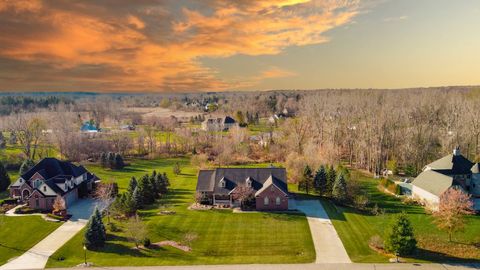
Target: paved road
(328, 246)
(327, 266)
(37, 256)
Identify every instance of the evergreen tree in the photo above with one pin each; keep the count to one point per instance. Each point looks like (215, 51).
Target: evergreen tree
(4, 178)
(162, 183)
(27, 164)
(320, 181)
(3, 141)
(339, 191)
(154, 184)
(146, 190)
(331, 177)
(136, 199)
(306, 183)
(132, 185)
(104, 160)
(95, 234)
(119, 164)
(111, 160)
(400, 238)
(101, 226)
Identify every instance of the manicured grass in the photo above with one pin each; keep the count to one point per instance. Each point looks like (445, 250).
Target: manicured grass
(355, 228)
(223, 237)
(18, 234)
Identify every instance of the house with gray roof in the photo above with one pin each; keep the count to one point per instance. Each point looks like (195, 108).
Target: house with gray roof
(219, 123)
(49, 179)
(267, 185)
(451, 171)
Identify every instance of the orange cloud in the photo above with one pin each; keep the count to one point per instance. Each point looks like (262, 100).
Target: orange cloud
(152, 45)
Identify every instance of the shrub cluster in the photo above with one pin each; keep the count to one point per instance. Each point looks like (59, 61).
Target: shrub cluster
(390, 186)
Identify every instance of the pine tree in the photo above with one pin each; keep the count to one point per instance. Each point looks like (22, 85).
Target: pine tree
(137, 201)
(146, 190)
(26, 166)
(320, 181)
(4, 178)
(400, 238)
(339, 191)
(101, 227)
(3, 141)
(161, 184)
(104, 160)
(306, 182)
(153, 184)
(119, 164)
(331, 177)
(132, 185)
(111, 160)
(95, 234)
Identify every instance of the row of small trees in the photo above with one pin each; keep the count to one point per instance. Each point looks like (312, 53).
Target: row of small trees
(142, 192)
(326, 181)
(111, 160)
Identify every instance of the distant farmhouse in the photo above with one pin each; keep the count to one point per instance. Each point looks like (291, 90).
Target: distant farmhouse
(219, 124)
(51, 178)
(451, 171)
(269, 186)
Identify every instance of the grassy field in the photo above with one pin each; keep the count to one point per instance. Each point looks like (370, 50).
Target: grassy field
(356, 228)
(18, 234)
(222, 236)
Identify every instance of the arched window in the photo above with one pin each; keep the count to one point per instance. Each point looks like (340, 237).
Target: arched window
(278, 201)
(266, 201)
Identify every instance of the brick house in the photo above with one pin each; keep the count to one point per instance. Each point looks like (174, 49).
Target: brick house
(268, 185)
(51, 178)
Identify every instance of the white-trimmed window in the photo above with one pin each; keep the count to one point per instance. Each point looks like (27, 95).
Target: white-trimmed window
(278, 201)
(44, 188)
(249, 182)
(266, 201)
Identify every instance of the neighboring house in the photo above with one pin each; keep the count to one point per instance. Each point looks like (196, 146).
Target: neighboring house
(278, 116)
(51, 178)
(218, 124)
(453, 170)
(269, 186)
(89, 127)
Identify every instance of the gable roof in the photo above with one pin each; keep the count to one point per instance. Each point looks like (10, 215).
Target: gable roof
(209, 180)
(275, 182)
(433, 182)
(452, 165)
(475, 168)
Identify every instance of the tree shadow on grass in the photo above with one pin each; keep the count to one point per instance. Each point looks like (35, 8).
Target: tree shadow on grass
(439, 257)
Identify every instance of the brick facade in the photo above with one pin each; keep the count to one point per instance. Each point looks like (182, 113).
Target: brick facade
(274, 195)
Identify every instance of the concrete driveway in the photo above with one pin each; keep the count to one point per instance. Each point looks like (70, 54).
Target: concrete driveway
(328, 246)
(37, 256)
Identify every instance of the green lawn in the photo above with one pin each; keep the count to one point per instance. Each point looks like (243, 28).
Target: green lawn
(18, 234)
(356, 228)
(223, 237)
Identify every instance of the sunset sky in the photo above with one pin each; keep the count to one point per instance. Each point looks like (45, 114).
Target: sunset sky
(219, 45)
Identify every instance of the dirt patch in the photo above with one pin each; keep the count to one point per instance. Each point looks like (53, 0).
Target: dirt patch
(197, 206)
(173, 244)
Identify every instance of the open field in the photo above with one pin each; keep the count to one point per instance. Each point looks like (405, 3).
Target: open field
(355, 228)
(222, 237)
(18, 234)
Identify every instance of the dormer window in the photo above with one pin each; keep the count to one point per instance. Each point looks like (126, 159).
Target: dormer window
(222, 183)
(66, 187)
(248, 182)
(44, 188)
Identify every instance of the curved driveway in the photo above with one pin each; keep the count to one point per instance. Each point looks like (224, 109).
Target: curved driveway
(328, 246)
(37, 256)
